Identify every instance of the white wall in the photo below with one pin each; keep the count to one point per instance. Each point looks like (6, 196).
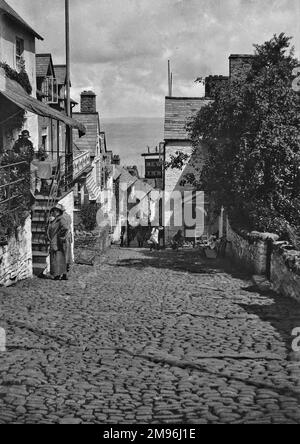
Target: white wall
(68, 202)
(8, 33)
(16, 257)
(173, 178)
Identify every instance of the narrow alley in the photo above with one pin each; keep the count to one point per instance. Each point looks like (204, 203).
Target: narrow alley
(144, 337)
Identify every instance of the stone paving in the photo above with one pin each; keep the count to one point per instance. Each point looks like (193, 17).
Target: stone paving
(142, 337)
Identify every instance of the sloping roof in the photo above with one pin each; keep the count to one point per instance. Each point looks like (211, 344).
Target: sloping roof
(60, 74)
(124, 176)
(42, 64)
(92, 126)
(14, 92)
(6, 9)
(178, 111)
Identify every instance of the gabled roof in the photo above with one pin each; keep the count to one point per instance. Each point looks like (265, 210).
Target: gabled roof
(178, 112)
(13, 15)
(90, 141)
(103, 142)
(60, 74)
(43, 62)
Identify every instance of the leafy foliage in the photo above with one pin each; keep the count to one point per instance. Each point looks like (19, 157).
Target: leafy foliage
(21, 77)
(14, 213)
(251, 131)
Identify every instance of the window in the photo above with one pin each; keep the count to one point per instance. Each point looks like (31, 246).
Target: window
(50, 90)
(44, 143)
(19, 52)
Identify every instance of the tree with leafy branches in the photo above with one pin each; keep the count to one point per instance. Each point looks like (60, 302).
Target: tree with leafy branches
(252, 133)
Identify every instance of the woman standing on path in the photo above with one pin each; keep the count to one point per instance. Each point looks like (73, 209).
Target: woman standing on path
(68, 239)
(57, 233)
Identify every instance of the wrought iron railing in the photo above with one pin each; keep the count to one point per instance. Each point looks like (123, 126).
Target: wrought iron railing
(80, 162)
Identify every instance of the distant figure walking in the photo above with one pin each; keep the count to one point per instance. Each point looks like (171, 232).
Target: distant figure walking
(154, 239)
(57, 233)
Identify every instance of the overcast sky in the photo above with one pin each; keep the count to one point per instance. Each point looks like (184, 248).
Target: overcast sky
(120, 48)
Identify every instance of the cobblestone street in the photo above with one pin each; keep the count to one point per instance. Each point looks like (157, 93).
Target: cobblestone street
(144, 337)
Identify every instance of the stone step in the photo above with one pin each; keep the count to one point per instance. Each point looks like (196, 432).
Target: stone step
(39, 257)
(38, 239)
(38, 268)
(39, 247)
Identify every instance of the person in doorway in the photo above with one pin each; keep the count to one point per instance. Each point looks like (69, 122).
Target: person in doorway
(24, 146)
(57, 232)
(123, 233)
(140, 236)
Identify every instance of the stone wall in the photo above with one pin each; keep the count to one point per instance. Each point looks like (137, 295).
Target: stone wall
(239, 66)
(285, 270)
(250, 250)
(16, 256)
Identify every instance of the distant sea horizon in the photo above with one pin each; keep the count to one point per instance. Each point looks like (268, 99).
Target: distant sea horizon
(129, 137)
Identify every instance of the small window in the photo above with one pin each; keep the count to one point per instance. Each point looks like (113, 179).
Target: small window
(49, 90)
(19, 52)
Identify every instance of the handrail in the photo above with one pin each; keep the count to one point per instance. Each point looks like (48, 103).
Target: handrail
(13, 164)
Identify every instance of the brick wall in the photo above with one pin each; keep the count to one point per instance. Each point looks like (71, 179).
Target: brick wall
(16, 257)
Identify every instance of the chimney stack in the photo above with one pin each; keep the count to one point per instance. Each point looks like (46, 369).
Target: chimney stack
(88, 102)
(239, 66)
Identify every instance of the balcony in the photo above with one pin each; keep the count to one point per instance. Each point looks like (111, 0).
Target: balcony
(56, 175)
(81, 162)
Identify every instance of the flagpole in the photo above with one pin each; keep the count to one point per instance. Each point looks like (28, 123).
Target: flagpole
(69, 143)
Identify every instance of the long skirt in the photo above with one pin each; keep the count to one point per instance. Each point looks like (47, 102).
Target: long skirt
(58, 265)
(68, 251)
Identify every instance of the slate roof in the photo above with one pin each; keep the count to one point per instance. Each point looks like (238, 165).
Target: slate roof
(92, 126)
(178, 111)
(42, 64)
(13, 15)
(60, 74)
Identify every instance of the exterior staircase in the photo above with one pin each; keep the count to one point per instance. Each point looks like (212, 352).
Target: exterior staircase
(40, 216)
(40, 249)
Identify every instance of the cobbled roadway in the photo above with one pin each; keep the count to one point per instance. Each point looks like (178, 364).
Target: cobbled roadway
(144, 337)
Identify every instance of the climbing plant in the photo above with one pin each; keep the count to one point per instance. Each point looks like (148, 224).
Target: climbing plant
(21, 77)
(14, 214)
